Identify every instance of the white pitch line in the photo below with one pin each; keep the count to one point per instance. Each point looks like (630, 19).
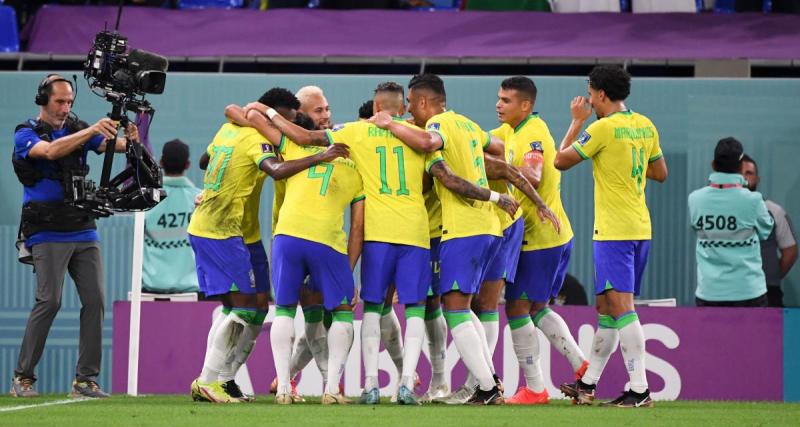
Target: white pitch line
(39, 405)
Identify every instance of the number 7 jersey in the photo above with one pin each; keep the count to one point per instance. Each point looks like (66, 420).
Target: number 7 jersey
(316, 198)
(232, 173)
(621, 147)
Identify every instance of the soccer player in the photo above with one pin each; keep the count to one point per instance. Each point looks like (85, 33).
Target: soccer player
(396, 231)
(625, 152)
(215, 232)
(471, 232)
(545, 252)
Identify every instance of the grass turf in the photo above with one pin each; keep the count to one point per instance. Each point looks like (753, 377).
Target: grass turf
(181, 411)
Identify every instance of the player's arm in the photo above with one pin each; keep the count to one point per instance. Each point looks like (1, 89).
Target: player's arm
(657, 170)
(495, 147)
(355, 239)
(417, 139)
(299, 135)
(502, 170)
(464, 188)
(242, 117)
(567, 156)
(278, 170)
(236, 115)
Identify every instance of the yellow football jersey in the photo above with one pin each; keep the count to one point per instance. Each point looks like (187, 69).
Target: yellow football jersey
(392, 174)
(503, 187)
(434, 208)
(621, 147)
(236, 153)
(463, 152)
(532, 138)
(277, 201)
(315, 200)
(251, 225)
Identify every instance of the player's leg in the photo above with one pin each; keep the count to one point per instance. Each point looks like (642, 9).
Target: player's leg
(391, 334)
(461, 270)
(631, 334)
(412, 276)
(519, 300)
(377, 267)
(554, 262)
(436, 331)
(315, 332)
(330, 270)
(289, 269)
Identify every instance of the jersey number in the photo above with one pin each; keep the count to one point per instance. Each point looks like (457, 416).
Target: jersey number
(401, 171)
(478, 156)
(216, 167)
(325, 174)
(719, 222)
(637, 169)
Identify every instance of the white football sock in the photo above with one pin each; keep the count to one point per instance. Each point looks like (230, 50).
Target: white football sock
(631, 341)
(317, 340)
(240, 353)
(557, 332)
(281, 339)
(415, 334)
(225, 337)
(301, 356)
(467, 342)
(340, 339)
(370, 347)
(436, 329)
(526, 347)
(603, 346)
(392, 339)
(487, 356)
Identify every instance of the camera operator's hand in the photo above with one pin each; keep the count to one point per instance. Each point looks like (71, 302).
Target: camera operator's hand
(105, 127)
(132, 132)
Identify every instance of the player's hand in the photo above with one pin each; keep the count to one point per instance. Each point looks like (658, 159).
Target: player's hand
(508, 204)
(132, 132)
(381, 119)
(261, 108)
(545, 214)
(198, 199)
(334, 151)
(105, 127)
(581, 108)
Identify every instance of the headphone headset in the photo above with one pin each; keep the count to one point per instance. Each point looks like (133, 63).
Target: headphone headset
(42, 95)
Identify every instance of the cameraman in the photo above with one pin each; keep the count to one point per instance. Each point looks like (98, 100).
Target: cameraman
(48, 151)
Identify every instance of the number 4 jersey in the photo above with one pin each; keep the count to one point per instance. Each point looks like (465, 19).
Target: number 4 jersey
(392, 174)
(232, 173)
(315, 201)
(621, 147)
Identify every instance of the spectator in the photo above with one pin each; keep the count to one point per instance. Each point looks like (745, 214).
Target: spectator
(779, 250)
(729, 222)
(168, 265)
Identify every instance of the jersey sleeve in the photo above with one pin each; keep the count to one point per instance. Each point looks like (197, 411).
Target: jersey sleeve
(655, 150)
(499, 132)
(435, 126)
(258, 149)
(764, 221)
(488, 140)
(344, 133)
(94, 143)
(431, 159)
(359, 193)
(24, 140)
(591, 141)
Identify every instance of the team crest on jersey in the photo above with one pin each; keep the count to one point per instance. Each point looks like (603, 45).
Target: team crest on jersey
(584, 138)
(537, 146)
(433, 126)
(337, 128)
(266, 148)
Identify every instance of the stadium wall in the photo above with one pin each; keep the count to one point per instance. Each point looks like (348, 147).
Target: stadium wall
(691, 115)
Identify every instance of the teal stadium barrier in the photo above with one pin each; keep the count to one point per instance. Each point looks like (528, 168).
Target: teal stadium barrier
(691, 115)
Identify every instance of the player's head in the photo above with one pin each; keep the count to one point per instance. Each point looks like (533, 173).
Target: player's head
(282, 100)
(314, 105)
(54, 95)
(728, 156)
(365, 110)
(304, 121)
(608, 86)
(426, 97)
(389, 97)
(749, 170)
(515, 99)
(175, 157)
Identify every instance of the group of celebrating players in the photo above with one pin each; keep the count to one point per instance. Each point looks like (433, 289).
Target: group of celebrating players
(442, 213)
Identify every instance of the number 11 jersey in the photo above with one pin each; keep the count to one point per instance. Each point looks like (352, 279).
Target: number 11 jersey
(621, 147)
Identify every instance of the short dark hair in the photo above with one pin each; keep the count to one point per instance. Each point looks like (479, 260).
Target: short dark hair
(728, 155)
(614, 80)
(304, 121)
(522, 85)
(390, 87)
(748, 159)
(365, 110)
(174, 156)
(430, 82)
(280, 97)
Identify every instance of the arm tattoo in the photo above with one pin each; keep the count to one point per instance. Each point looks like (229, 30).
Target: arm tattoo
(518, 180)
(457, 184)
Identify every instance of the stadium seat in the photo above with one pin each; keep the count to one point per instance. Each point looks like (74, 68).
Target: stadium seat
(9, 37)
(208, 4)
(571, 6)
(661, 6)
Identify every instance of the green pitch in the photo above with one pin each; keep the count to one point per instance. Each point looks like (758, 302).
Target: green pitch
(181, 411)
